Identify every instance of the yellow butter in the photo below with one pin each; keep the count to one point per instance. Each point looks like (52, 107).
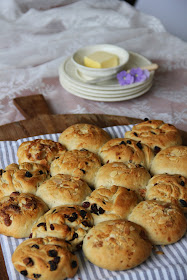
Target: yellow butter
(101, 59)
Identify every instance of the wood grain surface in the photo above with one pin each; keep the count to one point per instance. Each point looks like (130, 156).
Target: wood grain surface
(39, 121)
(33, 105)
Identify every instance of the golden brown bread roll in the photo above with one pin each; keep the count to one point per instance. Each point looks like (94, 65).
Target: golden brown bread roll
(172, 160)
(155, 134)
(63, 189)
(110, 203)
(18, 213)
(84, 136)
(126, 150)
(116, 245)
(164, 222)
(45, 258)
(168, 188)
(128, 175)
(23, 178)
(40, 151)
(69, 222)
(82, 164)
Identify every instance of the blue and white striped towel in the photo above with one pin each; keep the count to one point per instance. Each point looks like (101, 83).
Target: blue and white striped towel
(171, 265)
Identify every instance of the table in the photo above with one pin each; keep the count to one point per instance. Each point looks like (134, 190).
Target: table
(35, 37)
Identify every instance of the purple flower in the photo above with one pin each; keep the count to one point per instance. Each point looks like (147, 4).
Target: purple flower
(125, 78)
(136, 75)
(139, 74)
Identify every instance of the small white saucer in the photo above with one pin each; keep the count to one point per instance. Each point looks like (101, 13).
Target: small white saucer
(68, 69)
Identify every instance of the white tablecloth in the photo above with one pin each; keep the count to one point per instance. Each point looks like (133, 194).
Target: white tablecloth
(36, 36)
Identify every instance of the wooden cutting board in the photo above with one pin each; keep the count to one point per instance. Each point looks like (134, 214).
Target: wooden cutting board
(39, 120)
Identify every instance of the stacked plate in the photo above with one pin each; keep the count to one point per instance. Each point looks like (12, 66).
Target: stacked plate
(76, 83)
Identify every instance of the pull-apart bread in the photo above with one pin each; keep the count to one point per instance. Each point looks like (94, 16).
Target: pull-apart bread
(164, 223)
(82, 164)
(23, 178)
(70, 223)
(127, 151)
(110, 203)
(131, 176)
(84, 136)
(46, 258)
(63, 189)
(117, 245)
(40, 151)
(168, 188)
(113, 198)
(155, 134)
(18, 213)
(172, 160)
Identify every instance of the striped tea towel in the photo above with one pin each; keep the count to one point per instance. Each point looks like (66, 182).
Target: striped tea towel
(165, 263)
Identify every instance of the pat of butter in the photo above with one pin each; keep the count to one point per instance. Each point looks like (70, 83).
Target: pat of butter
(101, 59)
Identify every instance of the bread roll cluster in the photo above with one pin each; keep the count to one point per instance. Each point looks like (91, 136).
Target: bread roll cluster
(109, 197)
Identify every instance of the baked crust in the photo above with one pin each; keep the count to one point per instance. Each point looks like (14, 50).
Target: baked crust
(128, 175)
(116, 245)
(168, 188)
(172, 160)
(156, 134)
(126, 150)
(18, 213)
(164, 223)
(84, 136)
(23, 178)
(110, 203)
(82, 164)
(70, 223)
(40, 151)
(63, 189)
(45, 258)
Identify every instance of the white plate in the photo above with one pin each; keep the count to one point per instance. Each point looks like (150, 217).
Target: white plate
(84, 95)
(99, 93)
(122, 90)
(68, 69)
